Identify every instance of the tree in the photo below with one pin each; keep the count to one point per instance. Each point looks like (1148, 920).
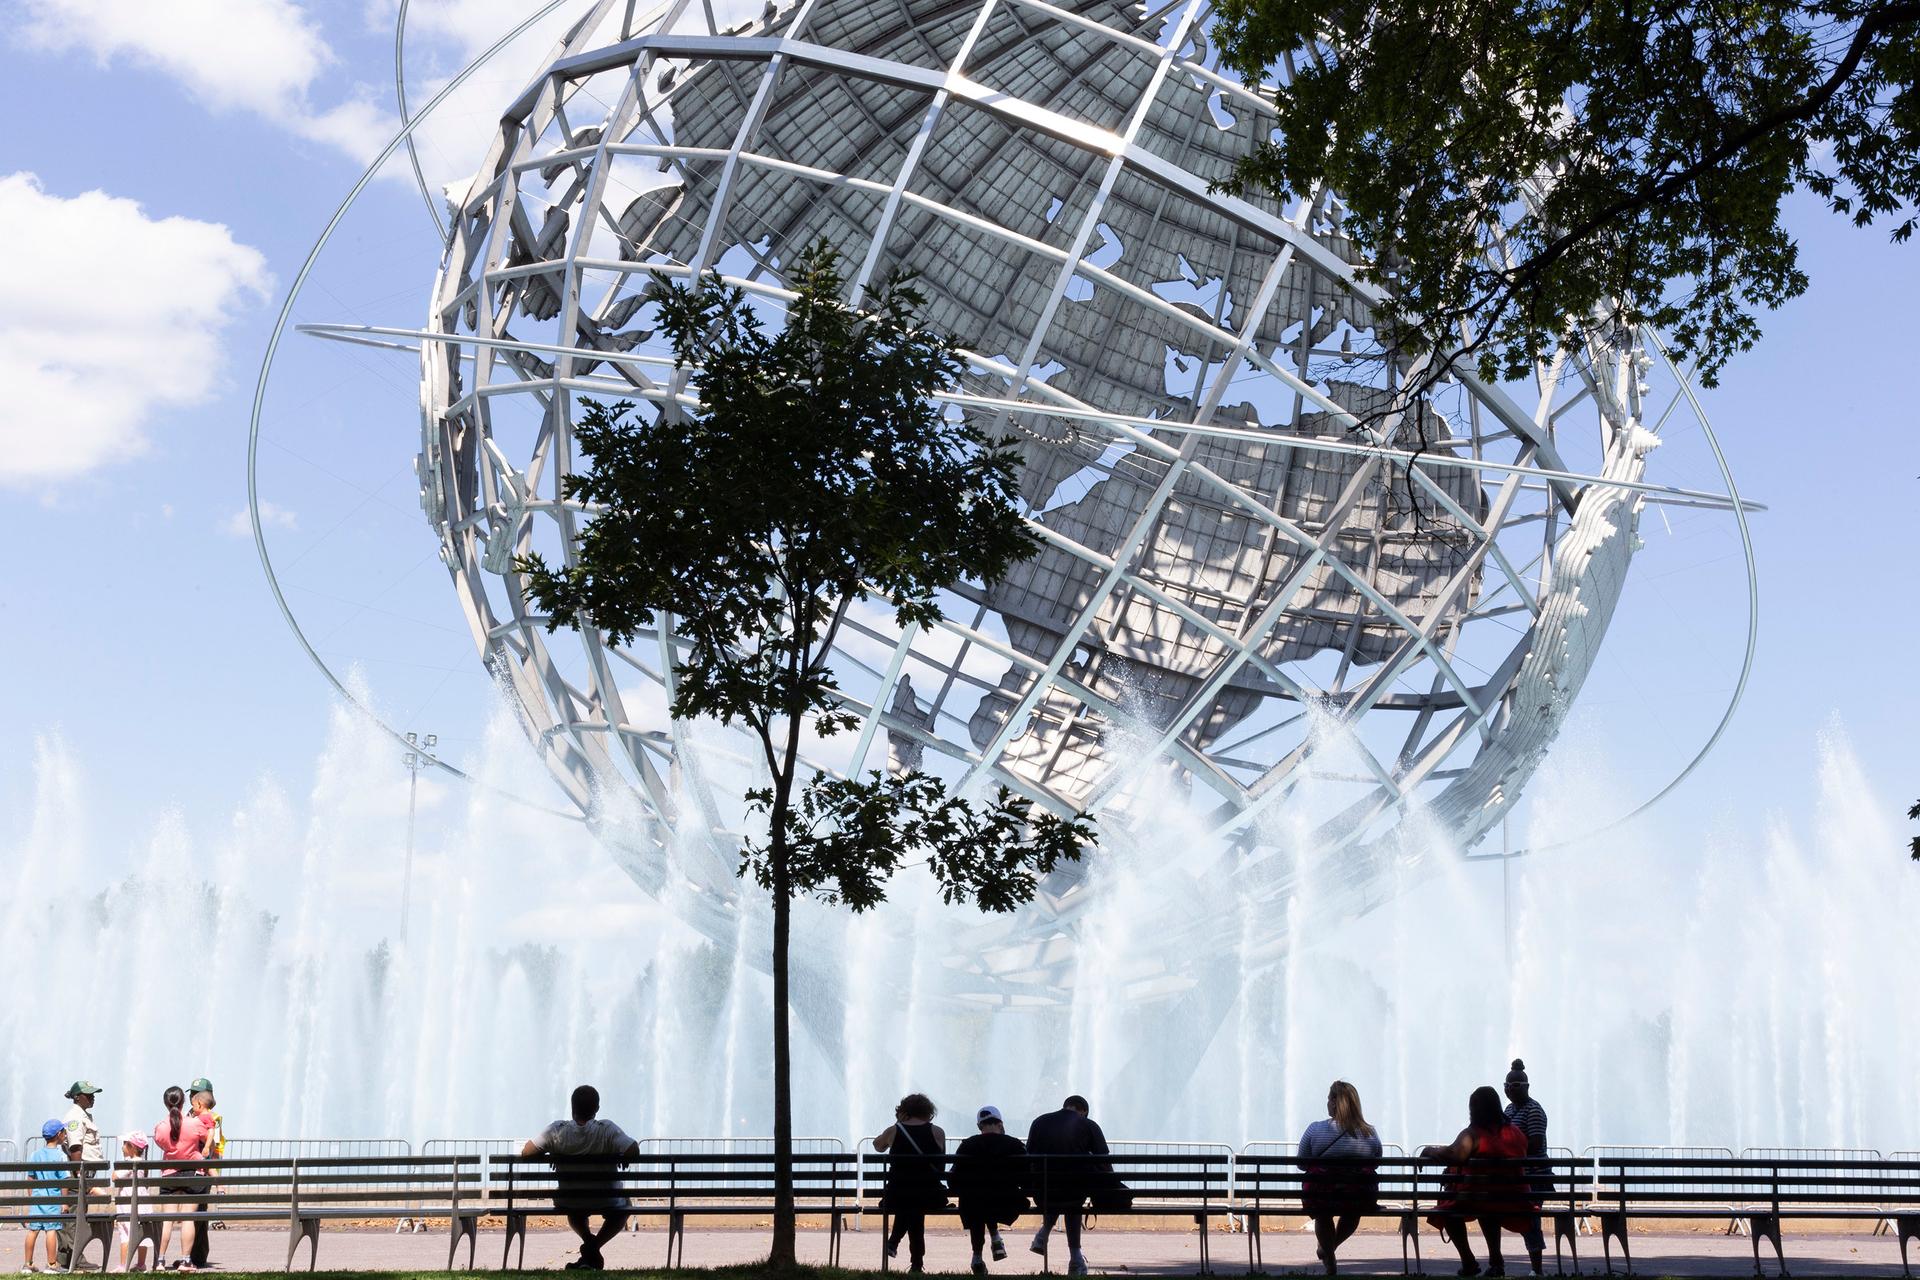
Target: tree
(816, 473)
(1526, 174)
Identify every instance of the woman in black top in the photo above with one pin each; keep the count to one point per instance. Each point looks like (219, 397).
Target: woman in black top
(989, 1178)
(914, 1187)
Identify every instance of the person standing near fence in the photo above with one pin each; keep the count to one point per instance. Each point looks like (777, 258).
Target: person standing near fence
(1525, 1113)
(180, 1137)
(914, 1187)
(989, 1179)
(585, 1188)
(201, 1100)
(48, 1218)
(84, 1133)
(1061, 1186)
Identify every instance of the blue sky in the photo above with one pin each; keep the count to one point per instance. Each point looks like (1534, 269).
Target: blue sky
(179, 162)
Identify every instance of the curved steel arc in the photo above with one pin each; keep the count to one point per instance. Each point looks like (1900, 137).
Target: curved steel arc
(406, 125)
(1739, 508)
(260, 399)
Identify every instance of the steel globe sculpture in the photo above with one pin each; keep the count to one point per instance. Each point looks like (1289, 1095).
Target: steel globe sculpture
(1262, 580)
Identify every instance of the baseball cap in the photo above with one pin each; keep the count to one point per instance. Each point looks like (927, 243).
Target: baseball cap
(79, 1087)
(988, 1112)
(52, 1129)
(201, 1085)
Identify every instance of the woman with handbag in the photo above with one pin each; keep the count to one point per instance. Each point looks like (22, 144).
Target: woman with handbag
(1487, 1182)
(1339, 1181)
(914, 1187)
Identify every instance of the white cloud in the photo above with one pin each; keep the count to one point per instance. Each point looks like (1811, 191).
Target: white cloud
(239, 525)
(106, 316)
(262, 56)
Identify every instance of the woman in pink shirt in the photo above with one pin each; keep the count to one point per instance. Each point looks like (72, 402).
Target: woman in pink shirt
(180, 1137)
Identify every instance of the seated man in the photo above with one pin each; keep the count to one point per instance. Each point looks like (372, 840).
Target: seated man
(587, 1187)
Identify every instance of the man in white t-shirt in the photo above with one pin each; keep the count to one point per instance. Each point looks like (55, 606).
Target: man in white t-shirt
(586, 1188)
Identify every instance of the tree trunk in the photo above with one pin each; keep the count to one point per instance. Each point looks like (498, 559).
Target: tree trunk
(782, 1253)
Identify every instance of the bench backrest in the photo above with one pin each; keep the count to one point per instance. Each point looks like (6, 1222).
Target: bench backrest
(1756, 1183)
(1162, 1174)
(665, 1180)
(1283, 1181)
(248, 1188)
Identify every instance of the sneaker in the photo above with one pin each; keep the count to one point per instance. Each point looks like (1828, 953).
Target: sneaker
(1039, 1244)
(979, 1266)
(999, 1249)
(1077, 1265)
(893, 1248)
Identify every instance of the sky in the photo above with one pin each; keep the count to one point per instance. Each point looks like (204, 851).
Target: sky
(173, 165)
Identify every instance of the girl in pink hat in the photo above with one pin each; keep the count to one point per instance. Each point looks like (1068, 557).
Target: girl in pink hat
(133, 1153)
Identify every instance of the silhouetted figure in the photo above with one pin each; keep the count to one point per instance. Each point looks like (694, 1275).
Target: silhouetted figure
(1486, 1182)
(914, 1188)
(989, 1179)
(1335, 1194)
(1061, 1187)
(1529, 1117)
(587, 1188)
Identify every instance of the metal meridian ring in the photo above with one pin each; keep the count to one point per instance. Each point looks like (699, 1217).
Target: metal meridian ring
(259, 404)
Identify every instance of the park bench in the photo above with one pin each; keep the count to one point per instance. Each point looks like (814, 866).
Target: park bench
(302, 1193)
(672, 1185)
(1760, 1193)
(1197, 1186)
(1273, 1186)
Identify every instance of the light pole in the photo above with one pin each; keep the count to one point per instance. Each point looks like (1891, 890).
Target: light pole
(416, 760)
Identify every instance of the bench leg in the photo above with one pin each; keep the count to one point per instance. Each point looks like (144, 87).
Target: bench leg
(1908, 1225)
(676, 1230)
(299, 1229)
(1410, 1232)
(1613, 1226)
(462, 1226)
(516, 1227)
(1253, 1243)
(886, 1230)
(1766, 1226)
(1200, 1221)
(833, 1240)
(1565, 1227)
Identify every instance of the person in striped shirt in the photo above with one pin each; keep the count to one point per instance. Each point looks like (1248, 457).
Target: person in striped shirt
(1526, 1114)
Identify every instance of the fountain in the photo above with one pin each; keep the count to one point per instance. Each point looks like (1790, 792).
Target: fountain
(1752, 993)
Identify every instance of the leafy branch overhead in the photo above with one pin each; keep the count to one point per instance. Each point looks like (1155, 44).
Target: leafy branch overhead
(1511, 167)
(848, 836)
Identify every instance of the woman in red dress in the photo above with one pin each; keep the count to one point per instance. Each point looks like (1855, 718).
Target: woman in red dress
(1487, 1182)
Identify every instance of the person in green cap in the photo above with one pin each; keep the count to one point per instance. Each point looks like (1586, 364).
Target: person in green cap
(200, 1093)
(85, 1134)
(80, 1125)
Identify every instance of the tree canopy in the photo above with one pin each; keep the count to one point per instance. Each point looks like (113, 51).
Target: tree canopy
(817, 470)
(1526, 173)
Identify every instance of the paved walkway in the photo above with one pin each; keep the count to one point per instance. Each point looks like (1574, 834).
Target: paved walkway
(1110, 1252)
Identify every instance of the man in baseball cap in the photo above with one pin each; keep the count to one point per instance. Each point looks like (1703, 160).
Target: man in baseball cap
(989, 1176)
(200, 1099)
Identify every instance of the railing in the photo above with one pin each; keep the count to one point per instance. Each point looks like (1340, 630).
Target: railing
(1868, 1193)
(1714, 1194)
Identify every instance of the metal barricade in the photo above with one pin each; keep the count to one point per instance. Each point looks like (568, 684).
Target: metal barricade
(8, 1151)
(482, 1147)
(1716, 1196)
(1866, 1194)
(328, 1149)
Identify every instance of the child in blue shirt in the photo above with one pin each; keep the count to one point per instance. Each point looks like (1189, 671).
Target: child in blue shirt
(48, 1214)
